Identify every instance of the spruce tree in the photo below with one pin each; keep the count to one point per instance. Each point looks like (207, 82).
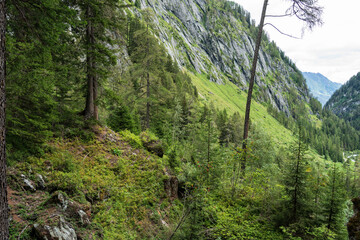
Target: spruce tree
(102, 25)
(335, 200)
(295, 182)
(40, 73)
(147, 56)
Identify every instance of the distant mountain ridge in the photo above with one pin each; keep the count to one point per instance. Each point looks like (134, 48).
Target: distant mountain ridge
(345, 102)
(320, 86)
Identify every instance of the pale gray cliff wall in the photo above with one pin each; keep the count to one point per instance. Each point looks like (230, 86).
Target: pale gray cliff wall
(217, 44)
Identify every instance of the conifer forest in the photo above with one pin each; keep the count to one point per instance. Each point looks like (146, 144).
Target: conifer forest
(168, 119)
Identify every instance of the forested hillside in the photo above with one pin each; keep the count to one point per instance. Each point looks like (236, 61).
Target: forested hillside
(345, 102)
(125, 121)
(320, 86)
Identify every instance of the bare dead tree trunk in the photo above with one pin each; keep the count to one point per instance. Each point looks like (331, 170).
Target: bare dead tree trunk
(147, 83)
(251, 85)
(148, 100)
(4, 210)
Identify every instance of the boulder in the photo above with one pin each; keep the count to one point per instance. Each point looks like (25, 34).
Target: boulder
(40, 182)
(83, 217)
(171, 186)
(28, 184)
(62, 231)
(155, 147)
(60, 199)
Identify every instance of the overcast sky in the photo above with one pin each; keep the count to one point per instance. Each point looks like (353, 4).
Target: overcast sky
(332, 49)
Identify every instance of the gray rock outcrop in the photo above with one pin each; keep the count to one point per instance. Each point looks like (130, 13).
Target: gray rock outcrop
(62, 231)
(217, 44)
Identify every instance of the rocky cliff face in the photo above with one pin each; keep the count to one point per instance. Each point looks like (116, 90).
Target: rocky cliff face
(209, 37)
(345, 102)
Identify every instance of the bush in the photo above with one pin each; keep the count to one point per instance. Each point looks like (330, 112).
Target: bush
(131, 138)
(122, 119)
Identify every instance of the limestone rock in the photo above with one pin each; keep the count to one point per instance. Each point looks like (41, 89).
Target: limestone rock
(62, 231)
(28, 184)
(83, 217)
(196, 40)
(40, 181)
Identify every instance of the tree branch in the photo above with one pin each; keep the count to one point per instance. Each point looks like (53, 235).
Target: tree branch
(275, 16)
(288, 35)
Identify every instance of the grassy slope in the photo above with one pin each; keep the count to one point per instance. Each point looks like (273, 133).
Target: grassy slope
(229, 96)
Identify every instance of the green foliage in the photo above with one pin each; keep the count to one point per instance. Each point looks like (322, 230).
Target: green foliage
(344, 102)
(122, 119)
(131, 138)
(197, 123)
(116, 151)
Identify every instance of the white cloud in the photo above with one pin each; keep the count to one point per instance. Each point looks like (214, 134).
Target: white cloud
(332, 49)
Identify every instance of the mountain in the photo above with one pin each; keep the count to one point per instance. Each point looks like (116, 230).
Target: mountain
(159, 156)
(345, 102)
(320, 86)
(216, 38)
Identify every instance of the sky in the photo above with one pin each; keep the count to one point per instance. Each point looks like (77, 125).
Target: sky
(332, 49)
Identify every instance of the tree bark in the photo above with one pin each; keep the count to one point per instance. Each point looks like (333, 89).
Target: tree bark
(251, 85)
(148, 101)
(95, 94)
(4, 210)
(147, 83)
(331, 211)
(90, 109)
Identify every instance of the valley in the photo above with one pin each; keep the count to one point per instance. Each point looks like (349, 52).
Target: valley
(125, 120)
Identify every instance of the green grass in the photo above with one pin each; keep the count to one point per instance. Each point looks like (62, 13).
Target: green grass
(230, 97)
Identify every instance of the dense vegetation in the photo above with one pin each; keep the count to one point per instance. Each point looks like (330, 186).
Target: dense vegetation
(288, 191)
(345, 102)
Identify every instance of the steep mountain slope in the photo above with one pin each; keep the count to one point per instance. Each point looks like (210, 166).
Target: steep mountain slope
(170, 166)
(345, 102)
(216, 38)
(320, 86)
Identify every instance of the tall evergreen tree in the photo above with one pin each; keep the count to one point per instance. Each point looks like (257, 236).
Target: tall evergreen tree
(295, 182)
(147, 57)
(335, 199)
(102, 23)
(43, 68)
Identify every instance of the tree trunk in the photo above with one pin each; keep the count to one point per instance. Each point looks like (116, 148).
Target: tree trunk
(148, 101)
(90, 109)
(95, 94)
(147, 83)
(251, 85)
(4, 210)
(331, 211)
